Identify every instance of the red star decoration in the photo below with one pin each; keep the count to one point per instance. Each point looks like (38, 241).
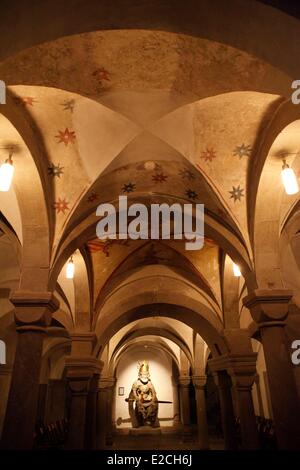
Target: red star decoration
(61, 205)
(92, 197)
(159, 178)
(101, 74)
(30, 100)
(66, 136)
(208, 155)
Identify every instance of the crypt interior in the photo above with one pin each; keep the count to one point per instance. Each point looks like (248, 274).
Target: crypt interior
(164, 102)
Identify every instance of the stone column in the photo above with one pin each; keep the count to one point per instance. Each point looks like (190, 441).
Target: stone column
(33, 312)
(243, 381)
(176, 412)
(184, 400)
(5, 379)
(79, 374)
(269, 308)
(91, 423)
(259, 397)
(199, 384)
(55, 408)
(110, 395)
(102, 414)
(224, 384)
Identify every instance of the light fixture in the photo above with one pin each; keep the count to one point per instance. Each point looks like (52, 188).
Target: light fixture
(289, 179)
(150, 165)
(70, 269)
(6, 174)
(236, 270)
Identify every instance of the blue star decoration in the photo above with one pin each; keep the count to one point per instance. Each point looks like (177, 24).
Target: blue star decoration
(55, 170)
(68, 105)
(128, 188)
(242, 151)
(236, 193)
(191, 194)
(186, 174)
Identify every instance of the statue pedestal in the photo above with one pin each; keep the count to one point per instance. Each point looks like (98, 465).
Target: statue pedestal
(145, 431)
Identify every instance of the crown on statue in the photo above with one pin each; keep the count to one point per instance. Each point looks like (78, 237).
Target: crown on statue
(144, 368)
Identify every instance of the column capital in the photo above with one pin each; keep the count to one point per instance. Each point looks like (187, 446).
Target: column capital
(82, 367)
(33, 309)
(83, 343)
(199, 381)
(106, 383)
(240, 367)
(268, 305)
(184, 381)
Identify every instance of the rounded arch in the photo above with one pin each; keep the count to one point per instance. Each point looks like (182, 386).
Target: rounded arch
(151, 331)
(267, 193)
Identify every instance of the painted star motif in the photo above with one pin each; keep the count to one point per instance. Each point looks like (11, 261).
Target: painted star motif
(159, 178)
(208, 155)
(61, 205)
(68, 105)
(186, 174)
(128, 188)
(26, 100)
(66, 136)
(105, 245)
(55, 170)
(101, 74)
(92, 197)
(242, 151)
(236, 193)
(191, 194)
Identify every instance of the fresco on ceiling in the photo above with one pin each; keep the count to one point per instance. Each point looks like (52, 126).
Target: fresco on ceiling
(61, 205)
(186, 174)
(68, 105)
(25, 100)
(128, 188)
(159, 178)
(101, 75)
(92, 197)
(66, 136)
(208, 155)
(191, 194)
(242, 150)
(237, 193)
(104, 246)
(55, 170)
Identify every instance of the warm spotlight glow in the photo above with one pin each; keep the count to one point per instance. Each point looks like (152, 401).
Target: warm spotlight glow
(70, 269)
(6, 175)
(289, 179)
(236, 270)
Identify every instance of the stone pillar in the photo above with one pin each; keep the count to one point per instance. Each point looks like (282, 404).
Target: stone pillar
(33, 312)
(110, 395)
(259, 397)
(102, 414)
(79, 374)
(176, 412)
(82, 370)
(199, 384)
(42, 403)
(224, 384)
(5, 379)
(55, 409)
(269, 308)
(243, 381)
(184, 400)
(91, 423)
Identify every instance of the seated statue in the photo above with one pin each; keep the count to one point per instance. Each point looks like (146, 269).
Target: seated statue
(144, 396)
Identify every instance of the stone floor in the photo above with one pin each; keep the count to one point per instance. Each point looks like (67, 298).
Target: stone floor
(168, 439)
